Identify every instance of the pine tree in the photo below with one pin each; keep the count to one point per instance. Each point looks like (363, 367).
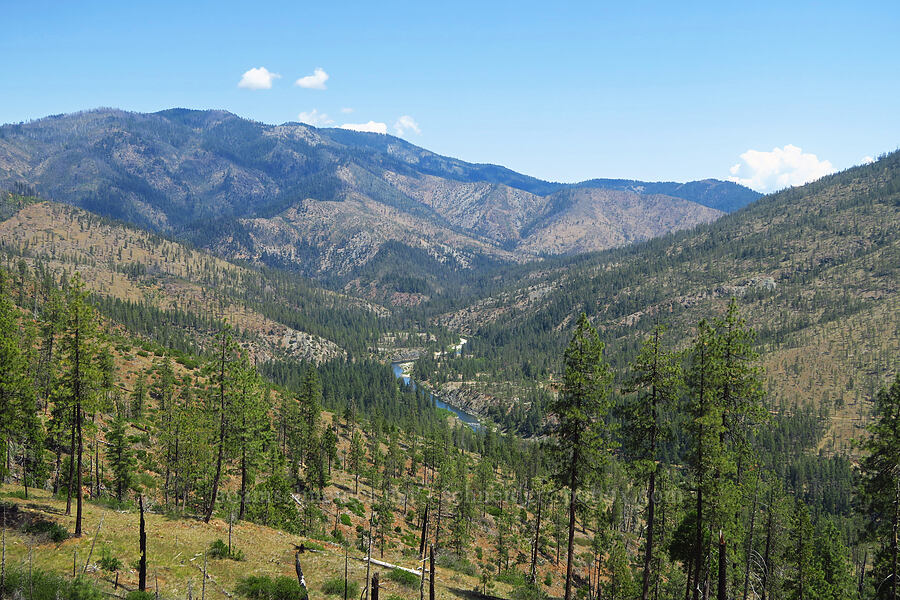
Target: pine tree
(18, 415)
(139, 396)
(252, 424)
(120, 457)
(329, 445)
(705, 428)
(881, 485)
(220, 392)
(656, 379)
(80, 381)
(357, 454)
(620, 583)
(581, 435)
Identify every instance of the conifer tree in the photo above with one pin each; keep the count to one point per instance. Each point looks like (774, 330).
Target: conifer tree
(17, 394)
(881, 486)
(252, 425)
(120, 457)
(220, 392)
(357, 453)
(80, 381)
(329, 445)
(581, 435)
(655, 377)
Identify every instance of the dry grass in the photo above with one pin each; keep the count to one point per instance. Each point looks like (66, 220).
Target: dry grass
(175, 548)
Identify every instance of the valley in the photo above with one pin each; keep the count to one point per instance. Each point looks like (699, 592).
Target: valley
(379, 361)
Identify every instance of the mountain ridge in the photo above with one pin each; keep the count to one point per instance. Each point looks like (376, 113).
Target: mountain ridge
(170, 171)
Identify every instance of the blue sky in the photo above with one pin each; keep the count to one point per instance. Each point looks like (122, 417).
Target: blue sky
(645, 90)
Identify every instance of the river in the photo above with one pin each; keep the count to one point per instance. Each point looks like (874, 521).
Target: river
(470, 420)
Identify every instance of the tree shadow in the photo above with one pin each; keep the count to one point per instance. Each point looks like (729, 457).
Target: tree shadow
(471, 594)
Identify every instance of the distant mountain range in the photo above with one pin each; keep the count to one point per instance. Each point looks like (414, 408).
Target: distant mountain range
(327, 202)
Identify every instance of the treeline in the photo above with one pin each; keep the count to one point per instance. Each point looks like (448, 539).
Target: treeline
(719, 519)
(664, 480)
(813, 240)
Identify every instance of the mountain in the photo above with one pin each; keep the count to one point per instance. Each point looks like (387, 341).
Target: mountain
(326, 202)
(815, 269)
(720, 195)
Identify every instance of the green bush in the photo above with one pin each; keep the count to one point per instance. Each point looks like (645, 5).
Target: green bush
(548, 579)
(107, 561)
(406, 578)
(47, 586)
(57, 533)
(260, 587)
(528, 591)
(356, 507)
(513, 577)
(456, 563)
(345, 519)
(313, 546)
(219, 549)
(139, 595)
(335, 587)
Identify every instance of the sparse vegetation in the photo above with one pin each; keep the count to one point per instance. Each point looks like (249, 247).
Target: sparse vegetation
(268, 588)
(335, 587)
(219, 549)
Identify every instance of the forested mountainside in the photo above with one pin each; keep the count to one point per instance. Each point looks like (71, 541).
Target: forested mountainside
(815, 268)
(177, 295)
(113, 441)
(326, 202)
(668, 416)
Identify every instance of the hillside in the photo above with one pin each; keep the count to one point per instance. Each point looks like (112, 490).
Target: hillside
(327, 201)
(177, 295)
(816, 269)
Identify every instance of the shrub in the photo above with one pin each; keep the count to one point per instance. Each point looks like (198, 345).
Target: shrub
(219, 549)
(107, 561)
(47, 586)
(456, 563)
(313, 546)
(57, 533)
(335, 587)
(345, 519)
(528, 591)
(259, 587)
(356, 507)
(405, 578)
(139, 595)
(548, 579)
(513, 577)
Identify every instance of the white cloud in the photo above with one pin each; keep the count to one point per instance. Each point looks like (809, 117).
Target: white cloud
(315, 118)
(259, 78)
(778, 169)
(316, 81)
(867, 160)
(370, 127)
(406, 123)
(346, 110)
